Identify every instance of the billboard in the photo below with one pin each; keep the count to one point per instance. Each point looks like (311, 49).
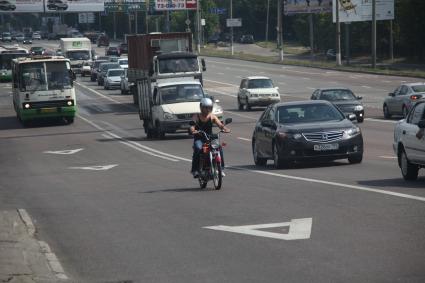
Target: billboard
(50, 6)
(164, 5)
(55, 6)
(124, 5)
(292, 7)
(361, 10)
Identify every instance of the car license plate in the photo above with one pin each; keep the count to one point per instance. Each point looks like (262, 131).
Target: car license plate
(326, 147)
(48, 110)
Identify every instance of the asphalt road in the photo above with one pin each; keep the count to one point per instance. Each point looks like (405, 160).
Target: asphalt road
(144, 218)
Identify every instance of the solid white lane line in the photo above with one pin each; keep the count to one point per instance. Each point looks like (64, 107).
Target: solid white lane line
(381, 121)
(221, 83)
(148, 150)
(244, 139)
(333, 184)
(27, 221)
(220, 92)
(98, 93)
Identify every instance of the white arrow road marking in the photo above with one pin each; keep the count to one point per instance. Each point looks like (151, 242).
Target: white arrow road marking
(67, 151)
(96, 168)
(299, 229)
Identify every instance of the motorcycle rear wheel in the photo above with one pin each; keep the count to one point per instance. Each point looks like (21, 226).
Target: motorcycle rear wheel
(216, 175)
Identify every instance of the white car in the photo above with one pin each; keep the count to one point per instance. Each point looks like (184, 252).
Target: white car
(123, 63)
(409, 142)
(257, 91)
(36, 36)
(113, 78)
(125, 85)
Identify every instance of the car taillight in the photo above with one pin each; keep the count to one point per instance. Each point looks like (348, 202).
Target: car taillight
(415, 97)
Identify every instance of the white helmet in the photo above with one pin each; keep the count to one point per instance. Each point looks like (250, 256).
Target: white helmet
(206, 102)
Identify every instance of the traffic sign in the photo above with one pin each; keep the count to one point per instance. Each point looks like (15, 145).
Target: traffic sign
(234, 22)
(218, 11)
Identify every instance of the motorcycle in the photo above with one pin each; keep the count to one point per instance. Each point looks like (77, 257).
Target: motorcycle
(210, 159)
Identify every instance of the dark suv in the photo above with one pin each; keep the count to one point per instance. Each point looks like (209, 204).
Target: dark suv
(112, 51)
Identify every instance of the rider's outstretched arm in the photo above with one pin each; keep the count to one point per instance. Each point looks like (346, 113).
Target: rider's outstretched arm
(219, 124)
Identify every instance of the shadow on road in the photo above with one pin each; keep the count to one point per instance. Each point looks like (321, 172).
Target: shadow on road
(177, 190)
(10, 123)
(294, 166)
(395, 182)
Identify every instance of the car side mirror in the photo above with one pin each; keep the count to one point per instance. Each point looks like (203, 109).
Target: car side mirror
(351, 117)
(204, 66)
(276, 87)
(228, 121)
(391, 94)
(269, 124)
(359, 97)
(421, 124)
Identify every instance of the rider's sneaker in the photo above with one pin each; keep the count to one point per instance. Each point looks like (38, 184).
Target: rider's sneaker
(195, 174)
(223, 174)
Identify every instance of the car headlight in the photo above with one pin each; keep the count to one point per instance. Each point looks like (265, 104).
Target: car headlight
(168, 116)
(352, 132)
(217, 110)
(297, 136)
(358, 108)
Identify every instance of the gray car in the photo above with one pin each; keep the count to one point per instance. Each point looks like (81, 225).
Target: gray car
(103, 69)
(402, 99)
(409, 142)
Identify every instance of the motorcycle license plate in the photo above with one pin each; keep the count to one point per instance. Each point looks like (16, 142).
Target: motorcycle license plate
(326, 147)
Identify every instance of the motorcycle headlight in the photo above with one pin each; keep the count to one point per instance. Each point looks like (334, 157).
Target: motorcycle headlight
(215, 144)
(352, 132)
(358, 108)
(168, 116)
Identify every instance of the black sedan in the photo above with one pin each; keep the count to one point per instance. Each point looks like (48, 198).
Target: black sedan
(305, 130)
(343, 98)
(112, 51)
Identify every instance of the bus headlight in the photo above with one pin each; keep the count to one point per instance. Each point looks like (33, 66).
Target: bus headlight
(27, 106)
(70, 103)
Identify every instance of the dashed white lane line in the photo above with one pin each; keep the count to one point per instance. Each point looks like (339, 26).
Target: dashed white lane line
(223, 83)
(219, 73)
(365, 86)
(388, 157)
(386, 81)
(220, 92)
(242, 115)
(310, 88)
(282, 83)
(381, 121)
(243, 139)
(51, 258)
(98, 93)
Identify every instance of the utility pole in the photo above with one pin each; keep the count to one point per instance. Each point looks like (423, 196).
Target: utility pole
(198, 25)
(147, 19)
(338, 35)
(374, 34)
(310, 19)
(115, 25)
(347, 43)
(280, 28)
(231, 28)
(136, 22)
(391, 41)
(267, 20)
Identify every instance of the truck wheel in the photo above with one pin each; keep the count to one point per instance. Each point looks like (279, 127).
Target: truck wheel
(150, 134)
(135, 98)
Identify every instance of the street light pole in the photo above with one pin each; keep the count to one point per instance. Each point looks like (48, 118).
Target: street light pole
(231, 28)
(267, 20)
(280, 27)
(198, 25)
(374, 34)
(338, 35)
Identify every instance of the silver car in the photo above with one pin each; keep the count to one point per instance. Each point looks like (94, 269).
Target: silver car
(409, 142)
(402, 99)
(125, 85)
(113, 78)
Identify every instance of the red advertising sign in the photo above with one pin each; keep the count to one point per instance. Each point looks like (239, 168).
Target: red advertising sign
(191, 4)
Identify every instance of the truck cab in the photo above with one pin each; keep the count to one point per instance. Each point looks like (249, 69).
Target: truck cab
(172, 105)
(78, 51)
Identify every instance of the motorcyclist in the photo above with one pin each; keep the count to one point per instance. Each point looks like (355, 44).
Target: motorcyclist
(204, 122)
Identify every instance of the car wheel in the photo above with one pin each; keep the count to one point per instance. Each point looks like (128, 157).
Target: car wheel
(387, 114)
(240, 105)
(92, 79)
(355, 159)
(247, 107)
(360, 119)
(405, 111)
(408, 170)
(257, 160)
(277, 161)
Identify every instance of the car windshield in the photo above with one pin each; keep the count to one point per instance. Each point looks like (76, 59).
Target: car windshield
(308, 113)
(260, 83)
(178, 65)
(105, 67)
(123, 62)
(115, 73)
(97, 63)
(337, 94)
(78, 55)
(45, 76)
(418, 88)
(181, 93)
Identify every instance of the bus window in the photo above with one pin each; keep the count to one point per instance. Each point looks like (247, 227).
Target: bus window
(33, 77)
(57, 75)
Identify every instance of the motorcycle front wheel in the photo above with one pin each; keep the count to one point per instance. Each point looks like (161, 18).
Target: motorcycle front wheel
(216, 175)
(202, 182)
